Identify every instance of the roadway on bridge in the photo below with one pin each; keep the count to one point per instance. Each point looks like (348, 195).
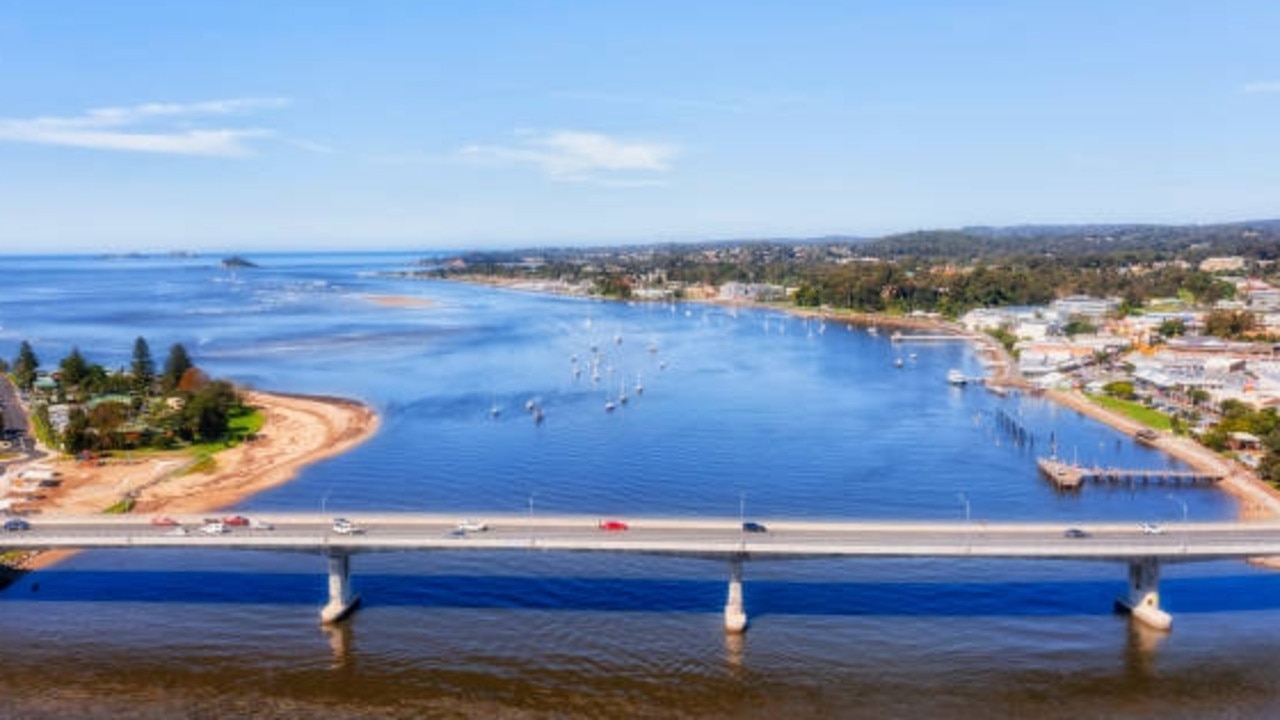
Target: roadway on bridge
(698, 537)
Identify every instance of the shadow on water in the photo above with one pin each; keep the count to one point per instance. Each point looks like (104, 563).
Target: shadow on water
(764, 597)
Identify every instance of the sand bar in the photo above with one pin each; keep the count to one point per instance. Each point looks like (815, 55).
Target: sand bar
(299, 430)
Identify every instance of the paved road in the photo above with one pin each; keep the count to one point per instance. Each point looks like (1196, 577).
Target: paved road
(711, 537)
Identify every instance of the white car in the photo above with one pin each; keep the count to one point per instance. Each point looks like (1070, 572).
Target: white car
(343, 526)
(213, 528)
(472, 526)
(256, 524)
(1151, 529)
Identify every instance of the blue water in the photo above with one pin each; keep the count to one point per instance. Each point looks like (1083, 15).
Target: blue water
(779, 415)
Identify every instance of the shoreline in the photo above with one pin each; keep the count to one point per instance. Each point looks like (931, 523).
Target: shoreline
(299, 430)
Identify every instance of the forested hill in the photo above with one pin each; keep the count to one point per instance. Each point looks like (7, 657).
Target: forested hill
(1259, 240)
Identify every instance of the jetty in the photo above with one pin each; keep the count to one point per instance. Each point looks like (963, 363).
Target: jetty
(920, 337)
(1071, 475)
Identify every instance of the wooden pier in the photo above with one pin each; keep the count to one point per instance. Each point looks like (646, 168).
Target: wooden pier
(1071, 476)
(912, 337)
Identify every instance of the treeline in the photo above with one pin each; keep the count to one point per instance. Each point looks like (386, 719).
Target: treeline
(1264, 424)
(948, 272)
(121, 410)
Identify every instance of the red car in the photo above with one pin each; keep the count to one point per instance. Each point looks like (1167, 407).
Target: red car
(163, 521)
(612, 525)
(235, 521)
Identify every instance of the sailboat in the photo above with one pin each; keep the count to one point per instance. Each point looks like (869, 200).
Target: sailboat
(639, 385)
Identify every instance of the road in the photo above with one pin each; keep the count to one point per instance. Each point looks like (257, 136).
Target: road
(696, 537)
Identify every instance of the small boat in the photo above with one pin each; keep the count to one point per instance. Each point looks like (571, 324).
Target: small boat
(1147, 436)
(955, 377)
(897, 362)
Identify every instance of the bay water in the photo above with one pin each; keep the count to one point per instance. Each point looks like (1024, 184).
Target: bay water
(729, 410)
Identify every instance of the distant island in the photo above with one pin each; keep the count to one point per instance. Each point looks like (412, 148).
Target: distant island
(235, 262)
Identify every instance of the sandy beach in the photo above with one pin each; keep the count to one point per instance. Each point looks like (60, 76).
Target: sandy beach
(1257, 499)
(299, 431)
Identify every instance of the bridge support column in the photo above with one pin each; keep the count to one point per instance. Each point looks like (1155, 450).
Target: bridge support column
(1143, 601)
(735, 616)
(342, 600)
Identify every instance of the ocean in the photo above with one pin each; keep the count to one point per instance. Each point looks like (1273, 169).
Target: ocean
(729, 410)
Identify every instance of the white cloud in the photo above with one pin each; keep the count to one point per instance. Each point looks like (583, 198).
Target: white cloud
(576, 156)
(1257, 88)
(151, 127)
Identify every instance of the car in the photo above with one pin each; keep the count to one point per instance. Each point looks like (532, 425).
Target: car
(612, 525)
(176, 531)
(217, 527)
(1151, 529)
(1075, 532)
(163, 521)
(754, 527)
(343, 526)
(16, 525)
(256, 524)
(472, 526)
(236, 521)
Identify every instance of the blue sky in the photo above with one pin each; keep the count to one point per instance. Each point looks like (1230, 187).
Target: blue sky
(148, 126)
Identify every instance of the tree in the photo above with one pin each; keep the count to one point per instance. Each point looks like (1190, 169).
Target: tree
(25, 366)
(1079, 326)
(193, 380)
(1229, 323)
(1121, 389)
(143, 369)
(207, 414)
(1172, 327)
(77, 435)
(177, 364)
(74, 368)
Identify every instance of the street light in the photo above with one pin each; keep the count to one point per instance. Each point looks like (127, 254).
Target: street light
(1183, 503)
(968, 532)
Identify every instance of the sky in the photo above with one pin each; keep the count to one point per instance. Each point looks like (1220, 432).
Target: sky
(138, 126)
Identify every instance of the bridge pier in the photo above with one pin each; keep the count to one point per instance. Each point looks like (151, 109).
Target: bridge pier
(1143, 601)
(342, 600)
(735, 615)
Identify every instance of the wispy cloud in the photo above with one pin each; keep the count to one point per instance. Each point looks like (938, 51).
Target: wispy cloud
(167, 128)
(1258, 88)
(577, 156)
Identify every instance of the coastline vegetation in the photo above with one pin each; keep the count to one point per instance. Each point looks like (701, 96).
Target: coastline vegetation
(83, 409)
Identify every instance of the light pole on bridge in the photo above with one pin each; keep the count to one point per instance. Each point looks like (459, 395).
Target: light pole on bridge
(1183, 503)
(967, 519)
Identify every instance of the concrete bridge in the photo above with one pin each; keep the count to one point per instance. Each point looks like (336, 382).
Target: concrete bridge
(1143, 549)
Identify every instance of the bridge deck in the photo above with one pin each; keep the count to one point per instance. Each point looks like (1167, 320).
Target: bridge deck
(695, 537)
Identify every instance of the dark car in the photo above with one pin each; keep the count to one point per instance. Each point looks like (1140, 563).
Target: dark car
(16, 524)
(754, 527)
(1075, 532)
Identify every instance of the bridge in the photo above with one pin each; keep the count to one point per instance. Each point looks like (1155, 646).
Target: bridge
(722, 539)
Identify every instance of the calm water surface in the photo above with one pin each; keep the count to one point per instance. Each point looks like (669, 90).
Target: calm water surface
(786, 417)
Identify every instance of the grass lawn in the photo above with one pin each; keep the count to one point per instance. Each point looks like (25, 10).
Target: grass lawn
(1135, 411)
